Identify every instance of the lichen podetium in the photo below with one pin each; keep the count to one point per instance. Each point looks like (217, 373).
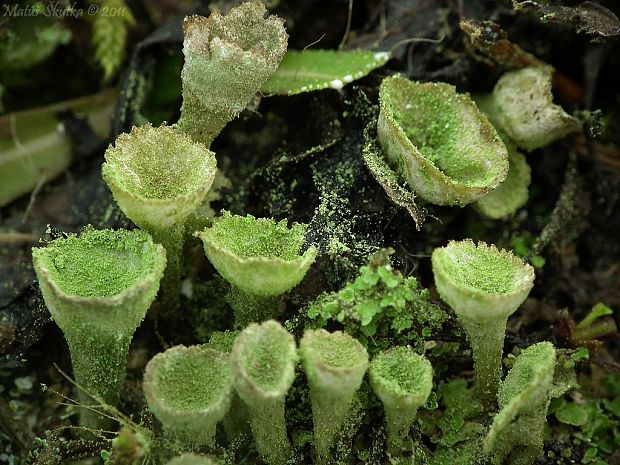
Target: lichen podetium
(98, 287)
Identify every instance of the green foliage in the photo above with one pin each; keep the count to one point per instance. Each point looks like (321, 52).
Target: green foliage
(109, 34)
(308, 70)
(592, 422)
(381, 308)
(522, 245)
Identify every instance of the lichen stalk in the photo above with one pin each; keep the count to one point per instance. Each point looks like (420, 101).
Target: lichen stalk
(272, 443)
(252, 308)
(328, 414)
(172, 239)
(487, 343)
(398, 422)
(98, 360)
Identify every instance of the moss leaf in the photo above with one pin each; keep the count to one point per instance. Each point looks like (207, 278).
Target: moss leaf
(307, 70)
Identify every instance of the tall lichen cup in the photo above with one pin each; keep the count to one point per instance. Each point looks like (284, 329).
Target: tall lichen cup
(517, 431)
(484, 286)
(227, 59)
(439, 142)
(260, 258)
(403, 381)
(335, 364)
(189, 390)
(158, 177)
(263, 359)
(98, 287)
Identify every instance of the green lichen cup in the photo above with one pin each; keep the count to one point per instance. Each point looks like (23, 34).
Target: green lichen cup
(439, 142)
(98, 287)
(403, 381)
(260, 258)
(158, 177)
(189, 390)
(484, 286)
(335, 364)
(263, 359)
(517, 431)
(523, 108)
(227, 60)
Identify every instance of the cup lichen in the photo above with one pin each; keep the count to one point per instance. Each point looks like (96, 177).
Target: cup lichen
(98, 287)
(439, 141)
(523, 107)
(158, 177)
(484, 286)
(189, 390)
(263, 359)
(403, 381)
(261, 260)
(227, 59)
(335, 364)
(517, 432)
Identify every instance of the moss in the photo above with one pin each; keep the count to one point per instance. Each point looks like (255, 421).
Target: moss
(381, 308)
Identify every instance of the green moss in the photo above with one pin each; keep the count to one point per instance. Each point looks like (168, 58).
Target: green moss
(381, 308)
(99, 263)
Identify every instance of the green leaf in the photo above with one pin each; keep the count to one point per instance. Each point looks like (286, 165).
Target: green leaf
(572, 414)
(305, 71)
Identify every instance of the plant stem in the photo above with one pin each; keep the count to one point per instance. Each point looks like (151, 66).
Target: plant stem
(98, 360)
(269, 431)
(170, 288)
(487, 344)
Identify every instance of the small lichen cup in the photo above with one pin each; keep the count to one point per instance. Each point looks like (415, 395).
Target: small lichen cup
(335, 364)
(484, 286)
(439, 142)
(263, 359)
(227, 59)
(403, 381)
(523, 108)
(98, 287)
(158, 177)
(189, 390)
(517, 431)
(260, 258)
